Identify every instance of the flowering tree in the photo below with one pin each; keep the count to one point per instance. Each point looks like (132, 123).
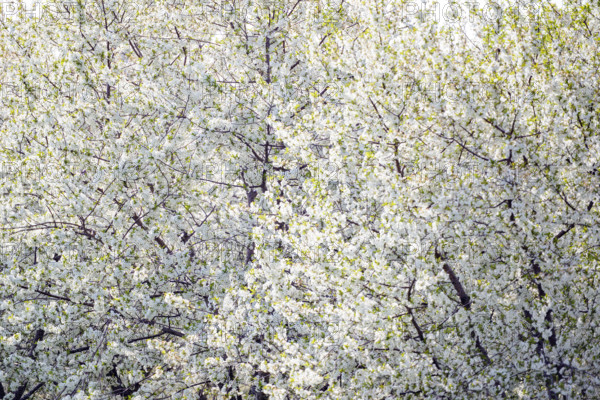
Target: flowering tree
(294, 199)
(455, 254)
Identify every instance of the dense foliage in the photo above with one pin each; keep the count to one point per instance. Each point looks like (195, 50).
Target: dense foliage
(335, 199)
